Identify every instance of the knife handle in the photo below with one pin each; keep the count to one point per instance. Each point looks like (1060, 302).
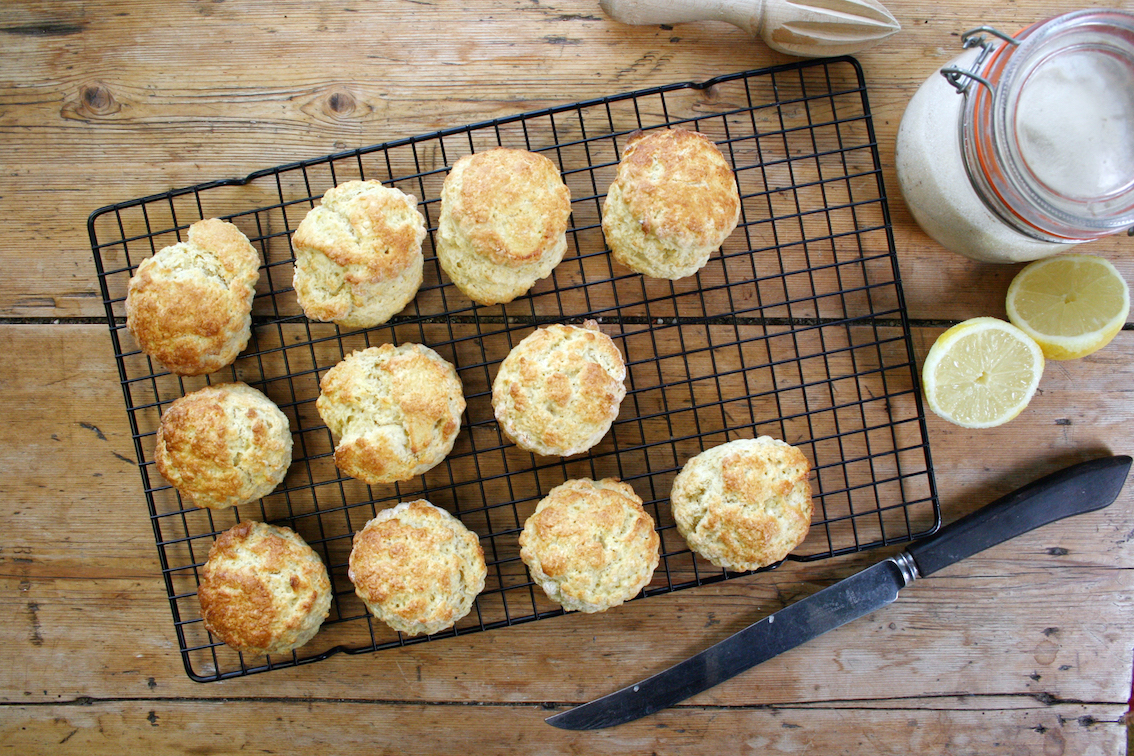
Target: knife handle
(1084, 487)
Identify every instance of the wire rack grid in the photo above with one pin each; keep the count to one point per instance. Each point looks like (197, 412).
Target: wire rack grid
(796, 329)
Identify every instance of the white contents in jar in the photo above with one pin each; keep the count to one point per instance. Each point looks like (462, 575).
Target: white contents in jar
(936, 187)
(1075, 124)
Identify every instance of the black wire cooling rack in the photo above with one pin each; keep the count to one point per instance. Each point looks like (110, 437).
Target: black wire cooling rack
(796, 329)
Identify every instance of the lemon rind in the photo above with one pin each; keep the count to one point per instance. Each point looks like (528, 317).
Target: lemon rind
(1057, 347)
(940, 348)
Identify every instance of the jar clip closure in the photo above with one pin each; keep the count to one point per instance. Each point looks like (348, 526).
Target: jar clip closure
(969, 39)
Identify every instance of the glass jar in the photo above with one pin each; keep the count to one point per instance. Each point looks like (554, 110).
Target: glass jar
(1024, 146)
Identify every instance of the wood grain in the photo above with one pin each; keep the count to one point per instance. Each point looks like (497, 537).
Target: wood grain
(1022, 650)
(106, 106)
(1006, 728)
(1036, 627)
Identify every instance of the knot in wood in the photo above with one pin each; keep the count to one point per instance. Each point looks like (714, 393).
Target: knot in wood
(711, 93)
(341, 103)
(97, 99)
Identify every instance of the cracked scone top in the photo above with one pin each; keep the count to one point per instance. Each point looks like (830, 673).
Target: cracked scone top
(395, 411)
(590, 545)
(223, 445)
(558, 391)
(417, 567)
(744, 504)
(263, 589)
(190, 305)
(673, 202)
(358, 258)
(503, 223)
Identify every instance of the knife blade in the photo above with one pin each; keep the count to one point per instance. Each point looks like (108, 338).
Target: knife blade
(1080, 488)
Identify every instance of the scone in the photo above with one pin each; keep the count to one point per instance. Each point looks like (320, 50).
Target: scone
(190, 305)
(358, 258)
(263, 589)
(673, 201)
(395, 411)
(590, 545)
(417, 568)
(744, 504)
(223, 445)
(503, 223)
(558, 391)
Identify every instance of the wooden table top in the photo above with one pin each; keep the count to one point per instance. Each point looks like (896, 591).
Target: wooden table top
(1024, 649)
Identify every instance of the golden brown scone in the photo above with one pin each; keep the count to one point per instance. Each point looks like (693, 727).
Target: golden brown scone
(190, 305)
(672, 203)
(503, 223)
(417, 568)
(223, 445)
(395, 411)
(358, 258)
(263, 589)
(744, 504)
(558, 391)
(590, 545)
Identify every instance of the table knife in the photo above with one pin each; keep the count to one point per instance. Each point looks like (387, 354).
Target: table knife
(1084, 487)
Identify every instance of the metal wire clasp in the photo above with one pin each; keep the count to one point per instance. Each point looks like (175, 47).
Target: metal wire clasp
(972, 38)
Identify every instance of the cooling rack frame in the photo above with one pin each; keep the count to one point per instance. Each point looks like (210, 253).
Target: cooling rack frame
(797, 328)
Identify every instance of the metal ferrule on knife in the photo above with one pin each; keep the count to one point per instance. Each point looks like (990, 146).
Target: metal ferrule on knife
(906, 566)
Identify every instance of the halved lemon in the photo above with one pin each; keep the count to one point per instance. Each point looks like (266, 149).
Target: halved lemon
(981, 373)
(1071, 305)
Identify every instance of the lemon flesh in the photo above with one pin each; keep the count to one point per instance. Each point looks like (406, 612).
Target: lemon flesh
(1072, 305)
(981, 373)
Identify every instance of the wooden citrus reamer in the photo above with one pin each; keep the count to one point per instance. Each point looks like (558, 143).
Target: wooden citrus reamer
(811, 28)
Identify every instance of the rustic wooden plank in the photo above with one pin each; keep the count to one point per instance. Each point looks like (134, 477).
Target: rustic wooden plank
(1006, 726)
(1024, 649)
(987, 629)
(83, 104)
(80, 576)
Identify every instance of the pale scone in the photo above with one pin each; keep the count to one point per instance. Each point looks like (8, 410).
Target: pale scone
(223, 445)
(744, 504)
(417, 568)
(263, 589)
(395, 411)
(503, 223)
(190, 305)
(558, 391)
(673, 201)
(358, 258)
(590, 545)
